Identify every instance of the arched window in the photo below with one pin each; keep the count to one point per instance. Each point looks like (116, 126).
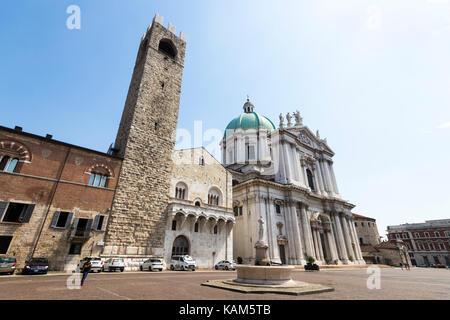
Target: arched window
(167, 47)
(197, 203)
(99, 175)
(213, 197)
(180, 191)
(180, 246)
(310, 179)
(8, 164)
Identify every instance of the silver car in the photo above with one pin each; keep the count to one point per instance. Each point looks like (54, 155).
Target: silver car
(7, 265)
(225, 265)
(152, 265)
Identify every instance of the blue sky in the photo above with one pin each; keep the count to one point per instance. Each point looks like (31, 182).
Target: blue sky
(372, 76)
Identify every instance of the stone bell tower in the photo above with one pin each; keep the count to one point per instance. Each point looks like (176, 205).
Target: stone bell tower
(146, 140)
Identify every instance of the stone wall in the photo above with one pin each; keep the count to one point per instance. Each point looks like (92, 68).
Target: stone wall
(146, 140)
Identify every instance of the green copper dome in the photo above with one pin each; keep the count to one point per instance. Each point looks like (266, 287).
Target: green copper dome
(249, 119)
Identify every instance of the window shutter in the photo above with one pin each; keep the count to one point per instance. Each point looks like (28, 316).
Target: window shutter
(26, 214)
(75, 224)
(88, 228)
(69, 220)
(55, 219)
(96, 220)
(3, 206)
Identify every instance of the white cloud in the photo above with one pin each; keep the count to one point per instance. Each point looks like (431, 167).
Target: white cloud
(444, 125)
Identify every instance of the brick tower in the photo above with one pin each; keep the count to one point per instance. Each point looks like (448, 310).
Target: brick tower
(145, 140)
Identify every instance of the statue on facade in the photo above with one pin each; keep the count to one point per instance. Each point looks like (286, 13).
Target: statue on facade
(288, 118)
(261, 229)
(281, 120)
(298, 118)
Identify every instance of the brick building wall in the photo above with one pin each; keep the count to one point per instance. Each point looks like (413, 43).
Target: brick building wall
(428, 243)
(53, 178)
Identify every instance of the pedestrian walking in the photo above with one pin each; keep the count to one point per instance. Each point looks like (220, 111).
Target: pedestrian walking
(86, 268)
(407, 266)
(401, 265)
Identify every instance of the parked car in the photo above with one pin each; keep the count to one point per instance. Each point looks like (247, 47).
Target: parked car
(225, 265)
(182, 262)
(113, 264)
(96, 264)
(35, 266)
(440, 265)
(152, 264)
(422, 266)
(7, 265)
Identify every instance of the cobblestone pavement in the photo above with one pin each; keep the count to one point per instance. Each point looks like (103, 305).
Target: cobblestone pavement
(418, 283)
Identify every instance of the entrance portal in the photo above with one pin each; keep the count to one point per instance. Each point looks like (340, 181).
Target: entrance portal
(180, 246)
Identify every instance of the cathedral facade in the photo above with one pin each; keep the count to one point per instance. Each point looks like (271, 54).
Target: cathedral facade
(285, 176)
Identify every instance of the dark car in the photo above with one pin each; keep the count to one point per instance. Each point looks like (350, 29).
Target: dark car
(36, 266)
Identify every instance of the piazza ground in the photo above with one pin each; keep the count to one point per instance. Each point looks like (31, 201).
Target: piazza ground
(418, 283)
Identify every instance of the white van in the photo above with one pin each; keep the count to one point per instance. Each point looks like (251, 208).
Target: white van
(182, 262)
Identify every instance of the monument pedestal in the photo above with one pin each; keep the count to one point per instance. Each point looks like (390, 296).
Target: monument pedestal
(262, 254)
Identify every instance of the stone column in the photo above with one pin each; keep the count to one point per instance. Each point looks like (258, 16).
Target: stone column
(305, 176)
(319, 244)
(334, 238)
(340, 239)
(331, 244)
(240, 150)
(297, 235)
(295, 164)
(316, 180)
(307, 231)
(289, 234)
(281, 172)
(333, 178)
(320, 187)
(347, 237)
(287, 162)
(351, 224)
(300, 169)
(262, 142)
(326, 177)
(316, 245)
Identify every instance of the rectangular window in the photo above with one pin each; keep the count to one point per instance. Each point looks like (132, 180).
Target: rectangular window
(81, 228)
(215, 229)
(5, 241)
(196, 227)
(236, 211)
(98, 180)
(98, 222)
(405, 236)
(240, 211)
(436, 234)
(278, 209)
(427, 235)
(441, 246)
(416, 235)
(16, 212)
(174, 225)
